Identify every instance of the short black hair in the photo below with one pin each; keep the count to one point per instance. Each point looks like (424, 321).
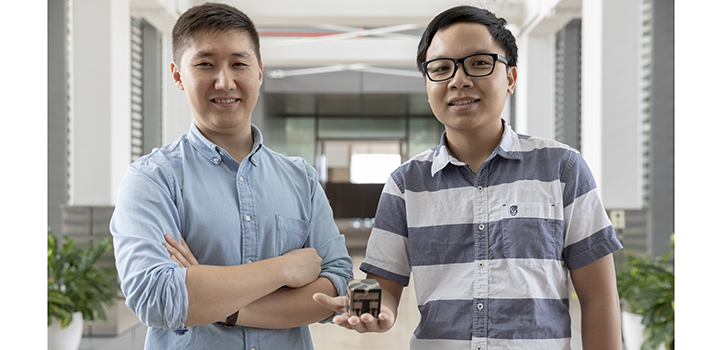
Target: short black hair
(469, 14)
(211, 17)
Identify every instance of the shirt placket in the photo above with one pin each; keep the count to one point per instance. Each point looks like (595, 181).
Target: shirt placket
(249, 232)
(480, 319)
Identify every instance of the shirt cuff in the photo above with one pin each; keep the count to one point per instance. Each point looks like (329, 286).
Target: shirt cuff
(340, 284)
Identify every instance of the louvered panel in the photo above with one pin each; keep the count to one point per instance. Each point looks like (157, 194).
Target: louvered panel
(646, 95)
(136, 89)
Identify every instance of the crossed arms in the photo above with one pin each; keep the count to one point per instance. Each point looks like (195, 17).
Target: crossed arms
(270, 293)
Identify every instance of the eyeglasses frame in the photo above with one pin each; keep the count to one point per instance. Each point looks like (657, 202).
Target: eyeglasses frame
(495, 56)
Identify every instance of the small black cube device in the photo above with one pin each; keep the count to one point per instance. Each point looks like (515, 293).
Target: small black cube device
(363, 296)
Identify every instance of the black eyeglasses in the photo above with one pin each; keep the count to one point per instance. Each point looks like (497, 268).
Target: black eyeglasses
(476, 65)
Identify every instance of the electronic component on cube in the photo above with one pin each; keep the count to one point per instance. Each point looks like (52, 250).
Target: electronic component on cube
(363, 296)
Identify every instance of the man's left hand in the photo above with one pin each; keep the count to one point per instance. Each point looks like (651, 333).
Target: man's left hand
(179, 251)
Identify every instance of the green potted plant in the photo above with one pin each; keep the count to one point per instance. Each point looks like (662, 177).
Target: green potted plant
(646, 288)
(76, 286)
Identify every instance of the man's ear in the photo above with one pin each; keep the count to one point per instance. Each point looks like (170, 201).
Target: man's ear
(260, 73)
(175, 71)
(511, 78)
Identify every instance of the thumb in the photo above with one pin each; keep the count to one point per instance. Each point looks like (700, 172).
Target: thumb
(336, 304)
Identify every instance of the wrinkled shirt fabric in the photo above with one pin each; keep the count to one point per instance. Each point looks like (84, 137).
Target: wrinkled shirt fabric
(490, 251)
(229, 214)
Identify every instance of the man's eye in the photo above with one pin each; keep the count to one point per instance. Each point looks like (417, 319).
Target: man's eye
(479, 63)
(440, 69)
(203, 64)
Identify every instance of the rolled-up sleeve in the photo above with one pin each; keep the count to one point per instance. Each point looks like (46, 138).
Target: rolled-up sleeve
(326, 239)
(153, 284)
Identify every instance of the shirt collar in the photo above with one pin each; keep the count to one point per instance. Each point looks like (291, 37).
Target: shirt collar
(508, 147)
(215, 153)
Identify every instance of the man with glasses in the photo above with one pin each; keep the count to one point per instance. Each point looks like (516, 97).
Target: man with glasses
(490, 222)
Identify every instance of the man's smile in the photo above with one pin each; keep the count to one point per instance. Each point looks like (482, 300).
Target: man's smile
(461, 102)
(225, 100)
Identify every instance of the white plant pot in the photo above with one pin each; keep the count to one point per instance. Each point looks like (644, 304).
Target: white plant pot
(633, 331)
(67, 338)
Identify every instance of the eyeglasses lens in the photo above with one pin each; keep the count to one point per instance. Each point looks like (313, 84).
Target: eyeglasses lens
(475, 66)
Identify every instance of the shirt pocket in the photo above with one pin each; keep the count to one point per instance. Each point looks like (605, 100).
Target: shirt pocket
(530, 232)
(291, 234)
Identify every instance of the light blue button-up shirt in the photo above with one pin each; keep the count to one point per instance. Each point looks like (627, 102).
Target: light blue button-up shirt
(229, 214)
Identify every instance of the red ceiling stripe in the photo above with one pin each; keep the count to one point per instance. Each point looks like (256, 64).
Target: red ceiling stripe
(295, 34)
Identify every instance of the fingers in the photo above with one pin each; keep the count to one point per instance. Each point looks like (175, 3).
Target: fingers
(300, 267)
(364, 324)
(336, 304)
(174, 253)
(188, 254)
(179, 252)
(180, 263)
(385, 321)
(369, 323)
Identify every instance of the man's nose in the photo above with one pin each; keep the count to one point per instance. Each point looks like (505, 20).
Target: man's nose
(224, 80)
(460, 79)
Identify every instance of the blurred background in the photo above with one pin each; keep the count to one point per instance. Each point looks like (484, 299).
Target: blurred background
(342, 91)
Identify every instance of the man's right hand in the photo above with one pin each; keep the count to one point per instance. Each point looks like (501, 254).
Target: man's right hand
(364, 324)
(301, 267)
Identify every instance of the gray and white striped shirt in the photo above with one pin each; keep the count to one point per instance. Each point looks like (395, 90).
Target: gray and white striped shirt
(490, 252)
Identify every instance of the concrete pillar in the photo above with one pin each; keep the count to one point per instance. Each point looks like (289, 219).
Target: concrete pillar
(177, 114)
(538, 83)
(100, 102)
(661, 172)
(611, 113)
(57, 147)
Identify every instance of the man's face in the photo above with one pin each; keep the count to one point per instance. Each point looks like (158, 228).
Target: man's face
(220, 75)
(463, 103)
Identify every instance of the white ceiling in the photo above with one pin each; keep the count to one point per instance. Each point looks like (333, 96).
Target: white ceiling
(366, 35)
(359, 13)
(371, 32)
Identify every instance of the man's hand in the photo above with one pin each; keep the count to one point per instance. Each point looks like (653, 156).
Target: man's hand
(179, 252)
(365, 323)
(301, 267)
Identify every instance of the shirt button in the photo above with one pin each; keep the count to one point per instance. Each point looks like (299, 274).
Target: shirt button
(479, 348)
(481, 264)
(480, 188)
(241, 178)
(250, 261)
(215, 160)
(253, 348)
(481, 227)
(248, 218)
(479, 306)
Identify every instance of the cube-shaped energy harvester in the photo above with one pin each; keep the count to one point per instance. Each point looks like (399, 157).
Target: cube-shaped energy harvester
(363, 296)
